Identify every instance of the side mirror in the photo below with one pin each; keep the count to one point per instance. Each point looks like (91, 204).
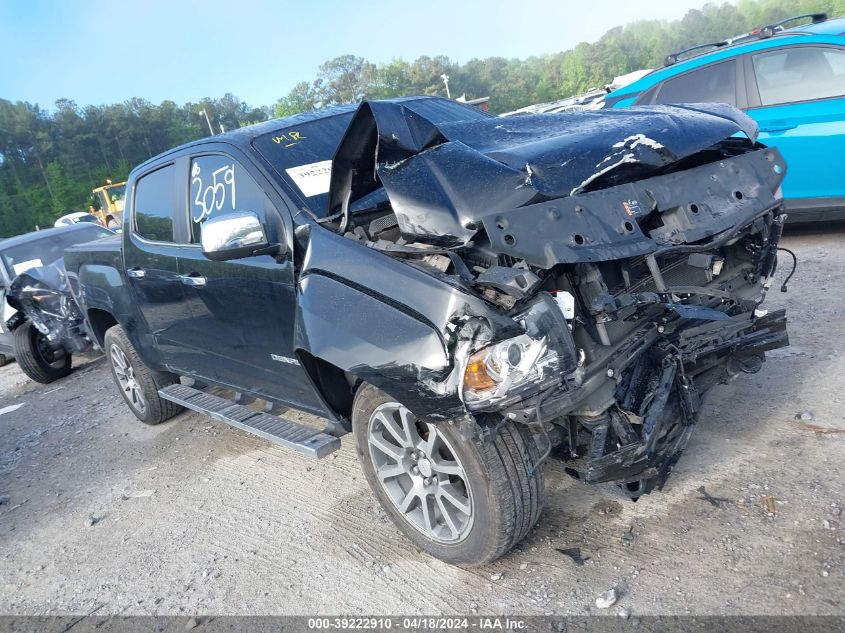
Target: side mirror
(234, 236)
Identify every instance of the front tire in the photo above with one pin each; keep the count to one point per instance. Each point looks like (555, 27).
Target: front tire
(466, 502)
(138, 385)
(36, 357)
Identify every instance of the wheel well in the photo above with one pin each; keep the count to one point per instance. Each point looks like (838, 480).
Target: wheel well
(336, 386)
(100, 322)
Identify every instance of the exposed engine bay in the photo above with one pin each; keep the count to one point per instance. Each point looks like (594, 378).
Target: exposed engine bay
(632, 249)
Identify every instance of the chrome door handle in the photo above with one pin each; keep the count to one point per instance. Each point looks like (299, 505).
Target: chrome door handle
(137, 273)
(193, 280)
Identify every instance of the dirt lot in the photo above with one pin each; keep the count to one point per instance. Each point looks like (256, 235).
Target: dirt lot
(102, 513)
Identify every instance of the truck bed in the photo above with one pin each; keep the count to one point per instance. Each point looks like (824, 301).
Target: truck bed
(104, 252)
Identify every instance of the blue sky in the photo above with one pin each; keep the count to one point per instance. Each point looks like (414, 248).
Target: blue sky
(106, 51)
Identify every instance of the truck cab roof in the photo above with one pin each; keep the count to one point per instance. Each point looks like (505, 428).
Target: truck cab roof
(244, 136)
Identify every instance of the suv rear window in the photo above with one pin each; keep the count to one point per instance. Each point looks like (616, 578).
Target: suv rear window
(154, 196)
(712, 84)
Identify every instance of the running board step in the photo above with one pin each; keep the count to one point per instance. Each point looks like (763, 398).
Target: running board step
(273, 428)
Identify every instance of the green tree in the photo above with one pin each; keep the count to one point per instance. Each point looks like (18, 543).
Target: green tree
(301, 99)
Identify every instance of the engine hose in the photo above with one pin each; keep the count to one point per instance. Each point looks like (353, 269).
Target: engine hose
(794, 266)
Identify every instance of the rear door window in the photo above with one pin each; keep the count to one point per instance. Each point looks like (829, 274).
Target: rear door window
(154, 205)
(711, 84)
(799, 73)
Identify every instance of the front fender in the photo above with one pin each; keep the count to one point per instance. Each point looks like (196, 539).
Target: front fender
(361, 334)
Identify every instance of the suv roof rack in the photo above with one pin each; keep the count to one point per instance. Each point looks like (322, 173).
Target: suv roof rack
(673, 58)
(761, 33)
(770, 29)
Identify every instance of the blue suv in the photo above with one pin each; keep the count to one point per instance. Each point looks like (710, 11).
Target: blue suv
(791, 81)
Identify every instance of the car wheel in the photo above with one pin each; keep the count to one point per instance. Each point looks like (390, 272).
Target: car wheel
(5, 360)
(464, 501)
(37, 358)
(137, 383)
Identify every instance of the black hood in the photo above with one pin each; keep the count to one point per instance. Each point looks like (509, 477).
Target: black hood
(443, 179)
(50, 277)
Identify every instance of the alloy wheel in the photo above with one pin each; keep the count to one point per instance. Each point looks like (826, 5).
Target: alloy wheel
(126, 379)
(419, 470)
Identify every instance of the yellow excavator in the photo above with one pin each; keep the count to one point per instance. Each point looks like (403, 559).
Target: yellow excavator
(108, 202)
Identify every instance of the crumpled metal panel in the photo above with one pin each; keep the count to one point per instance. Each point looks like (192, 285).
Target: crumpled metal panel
(44, 296)
(50, 276)
(603, 225)
(443, 179)
(432, 202)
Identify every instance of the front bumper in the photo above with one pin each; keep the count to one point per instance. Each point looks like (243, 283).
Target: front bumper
(688, 372)
(663, 377)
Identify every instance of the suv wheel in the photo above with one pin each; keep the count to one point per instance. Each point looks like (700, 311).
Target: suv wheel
(138, 385)
(463, 501)
(37, 358)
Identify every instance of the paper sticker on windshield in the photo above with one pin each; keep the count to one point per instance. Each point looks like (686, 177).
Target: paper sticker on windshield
(312, 179)
(24, 266)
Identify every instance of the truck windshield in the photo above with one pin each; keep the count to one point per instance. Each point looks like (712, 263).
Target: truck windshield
(302, 154)
(45, 250)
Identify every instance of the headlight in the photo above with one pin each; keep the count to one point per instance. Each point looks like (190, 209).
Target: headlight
(46, 300)
(495, 369)
(521, 365)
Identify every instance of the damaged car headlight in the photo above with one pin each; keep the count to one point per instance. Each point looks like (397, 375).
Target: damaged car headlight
(46, 301)
(45, 307)
(520, 366)
(496, 369)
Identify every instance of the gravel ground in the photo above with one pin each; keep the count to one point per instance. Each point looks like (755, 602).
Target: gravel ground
(99, 512)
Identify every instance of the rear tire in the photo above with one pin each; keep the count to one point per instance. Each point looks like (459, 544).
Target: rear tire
(137, 383)
(35, 357)
(495, 481)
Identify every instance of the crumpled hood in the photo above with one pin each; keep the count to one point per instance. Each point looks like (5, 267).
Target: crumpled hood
(50, 277)
(442, 179)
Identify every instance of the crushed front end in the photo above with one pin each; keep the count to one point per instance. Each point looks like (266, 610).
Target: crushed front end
(632, 250)
(654, 333)
(654, 328)
(42, 295)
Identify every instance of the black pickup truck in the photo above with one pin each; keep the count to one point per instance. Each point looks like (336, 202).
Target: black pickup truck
(469, 296)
